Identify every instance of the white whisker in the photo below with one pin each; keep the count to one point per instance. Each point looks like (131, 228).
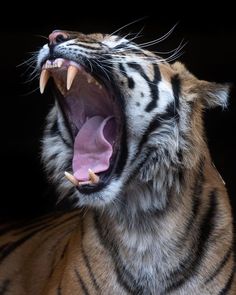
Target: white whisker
(158, 40)
(129, 24)
(102, 68)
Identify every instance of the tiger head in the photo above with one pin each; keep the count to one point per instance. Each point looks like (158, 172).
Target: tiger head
(126, 124)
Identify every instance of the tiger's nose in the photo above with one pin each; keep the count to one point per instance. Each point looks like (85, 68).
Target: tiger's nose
(57, 37)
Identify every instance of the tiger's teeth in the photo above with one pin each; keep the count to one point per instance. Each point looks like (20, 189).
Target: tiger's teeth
(59, 63)
(89, 80)
(71, 73)
(43, 80)
(93, 177)
(71, 178)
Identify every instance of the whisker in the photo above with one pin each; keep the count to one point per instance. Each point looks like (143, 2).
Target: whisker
(102, 68)
(31, 78)
(177, 53)
(31, 59)
(129, 24)
(137, 35)
(158, 40)
(31, 92)
(41, 36)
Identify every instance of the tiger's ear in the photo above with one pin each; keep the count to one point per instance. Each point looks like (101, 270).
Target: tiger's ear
(214, 94)
(210, 93)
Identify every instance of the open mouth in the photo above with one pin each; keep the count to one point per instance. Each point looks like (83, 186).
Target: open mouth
(93, 118)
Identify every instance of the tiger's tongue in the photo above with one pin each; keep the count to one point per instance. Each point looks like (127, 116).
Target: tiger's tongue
(93, 146)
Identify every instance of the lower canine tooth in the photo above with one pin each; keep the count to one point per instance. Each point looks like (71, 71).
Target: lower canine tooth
(93, 177)
(71, 178)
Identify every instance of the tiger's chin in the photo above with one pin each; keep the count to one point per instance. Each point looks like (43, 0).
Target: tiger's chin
(93, 119)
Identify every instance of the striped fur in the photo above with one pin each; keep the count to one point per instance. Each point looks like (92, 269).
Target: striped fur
(163, 223)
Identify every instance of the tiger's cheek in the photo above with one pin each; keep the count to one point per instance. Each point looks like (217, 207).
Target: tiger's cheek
(137, 102)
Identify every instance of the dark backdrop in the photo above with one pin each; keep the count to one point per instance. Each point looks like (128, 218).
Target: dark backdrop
(210, 53)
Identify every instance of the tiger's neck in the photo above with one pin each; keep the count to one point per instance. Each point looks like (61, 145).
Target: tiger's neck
(146, 239)
(145, 248)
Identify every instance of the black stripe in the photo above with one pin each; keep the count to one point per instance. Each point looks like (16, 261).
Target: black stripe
(139, 69)
(120, 46)
(80, 44)
(4, 286)
(86, 259)
(59, 290)
(191, 264)
(86, 292)
(62, 221)
(124, 277)
(154, 124)
(140, 165)
(123, 151)
(34, 226)
(153, 84)
(9, 228)
(122, 70)
(176, 86)
(220, 266)
(25, 223)
(196, 201)
(131, 83)
(154, 89)
(64, 250)
(52, 157)
(53, 249)
(228, 284)
(8, 248)
(170, 112)
(54, 127)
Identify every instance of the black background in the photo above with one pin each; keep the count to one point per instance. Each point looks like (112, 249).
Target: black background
(210, 53)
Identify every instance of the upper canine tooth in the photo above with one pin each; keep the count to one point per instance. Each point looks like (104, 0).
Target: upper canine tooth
(71, 73)
(43, 80)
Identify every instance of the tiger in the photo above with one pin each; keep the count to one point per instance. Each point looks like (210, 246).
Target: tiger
(124, 142)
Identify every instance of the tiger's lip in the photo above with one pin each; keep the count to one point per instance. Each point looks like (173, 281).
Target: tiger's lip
(72, 70)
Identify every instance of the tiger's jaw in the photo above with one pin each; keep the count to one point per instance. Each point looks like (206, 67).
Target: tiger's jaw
(93, 119)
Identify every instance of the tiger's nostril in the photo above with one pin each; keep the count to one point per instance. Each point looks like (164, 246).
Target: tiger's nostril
(60, 38)
(57, 37)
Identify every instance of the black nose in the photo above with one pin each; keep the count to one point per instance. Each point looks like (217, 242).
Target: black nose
(57, 37)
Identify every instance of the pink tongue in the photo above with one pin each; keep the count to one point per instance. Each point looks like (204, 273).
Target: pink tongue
(93, 146)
